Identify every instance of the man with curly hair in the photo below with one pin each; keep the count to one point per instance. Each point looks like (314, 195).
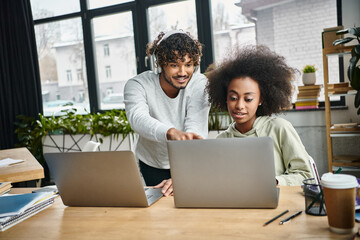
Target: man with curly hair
(252, 85)
(168, 103)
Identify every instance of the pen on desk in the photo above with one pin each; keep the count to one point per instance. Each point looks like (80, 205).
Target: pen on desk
(274, 218)
(291, 217)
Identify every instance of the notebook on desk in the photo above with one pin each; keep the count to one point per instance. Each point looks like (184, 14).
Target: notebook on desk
(100, 179)
(223, 173)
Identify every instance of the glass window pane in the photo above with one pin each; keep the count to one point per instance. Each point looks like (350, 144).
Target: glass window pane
(51, 8)
(115, 57)
(293, 29)
(62, 66)
(180, 15)
(101, 3)
(230, 28)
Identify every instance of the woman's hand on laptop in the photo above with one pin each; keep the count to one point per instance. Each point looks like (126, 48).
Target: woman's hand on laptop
(167, 188)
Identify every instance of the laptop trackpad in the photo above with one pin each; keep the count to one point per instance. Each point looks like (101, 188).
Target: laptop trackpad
(153, 194)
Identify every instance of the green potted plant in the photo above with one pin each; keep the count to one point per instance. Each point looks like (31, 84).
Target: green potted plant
(309, 77)
(218, 120)
(71, 131)
(353, 70)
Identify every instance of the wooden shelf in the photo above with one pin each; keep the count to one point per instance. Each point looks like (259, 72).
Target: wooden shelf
(333, 135)
(339, 130)
(340, 90)
(346, 164)
(338, 85)
(345, 130)
(354, 129)
(346, 158)
(351, 92)
(337, 50)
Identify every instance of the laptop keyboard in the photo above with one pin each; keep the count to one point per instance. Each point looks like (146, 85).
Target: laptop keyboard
(147, 193)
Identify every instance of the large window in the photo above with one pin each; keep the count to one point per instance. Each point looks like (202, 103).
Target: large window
(173, 16)
(52, 8)
(230, 28)
(103, 3)
(88, 49)
(116, 31)
(61, 58)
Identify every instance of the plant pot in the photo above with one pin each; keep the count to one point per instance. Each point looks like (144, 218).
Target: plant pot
(76, 142)
(309, 78)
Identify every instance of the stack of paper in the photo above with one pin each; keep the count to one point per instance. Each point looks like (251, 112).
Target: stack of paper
(9, 161)
(308, 97)
(5, 187)
(18, 207)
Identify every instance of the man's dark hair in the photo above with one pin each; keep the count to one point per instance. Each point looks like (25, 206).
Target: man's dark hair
(266, 67)
(174, 48)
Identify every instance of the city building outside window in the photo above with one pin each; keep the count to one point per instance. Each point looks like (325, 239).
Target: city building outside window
(69, 75)
(108, 71)
(79, 75)
(106, 50)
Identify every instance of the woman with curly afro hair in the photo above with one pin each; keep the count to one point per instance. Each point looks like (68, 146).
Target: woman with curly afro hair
(252, 85)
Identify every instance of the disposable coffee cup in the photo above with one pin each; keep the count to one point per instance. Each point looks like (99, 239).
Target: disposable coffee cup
(339, 194)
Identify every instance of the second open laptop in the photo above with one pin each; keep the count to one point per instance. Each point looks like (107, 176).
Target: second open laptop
(100, 179)
(223, 173)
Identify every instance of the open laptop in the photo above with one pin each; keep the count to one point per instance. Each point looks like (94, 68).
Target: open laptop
(223, 173)
(99, 179)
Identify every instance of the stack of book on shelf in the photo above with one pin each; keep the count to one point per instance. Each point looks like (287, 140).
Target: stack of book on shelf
(339, 88)
(15, 208)
(5, 187)
(345, 128)
(308, 97)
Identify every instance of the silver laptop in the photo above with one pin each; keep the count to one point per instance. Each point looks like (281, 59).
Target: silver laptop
(223, 173)
(99, 179)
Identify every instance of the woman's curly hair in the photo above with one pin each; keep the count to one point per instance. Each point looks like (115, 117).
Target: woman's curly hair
(267, 68)
(181, 43)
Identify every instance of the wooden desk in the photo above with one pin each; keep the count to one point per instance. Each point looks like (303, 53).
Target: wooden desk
(164, 221)
(25, 171)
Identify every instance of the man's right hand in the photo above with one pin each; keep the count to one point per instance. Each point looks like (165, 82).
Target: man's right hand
(174, 134)
(167, 188)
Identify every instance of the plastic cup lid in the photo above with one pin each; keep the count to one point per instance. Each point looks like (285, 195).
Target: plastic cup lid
(338, 181)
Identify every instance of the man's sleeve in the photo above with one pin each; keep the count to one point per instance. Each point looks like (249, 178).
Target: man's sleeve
(198, 109)
(137, 111)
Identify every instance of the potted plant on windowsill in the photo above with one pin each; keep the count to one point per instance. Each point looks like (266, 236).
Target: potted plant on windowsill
(353, 70)
(309, 77)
